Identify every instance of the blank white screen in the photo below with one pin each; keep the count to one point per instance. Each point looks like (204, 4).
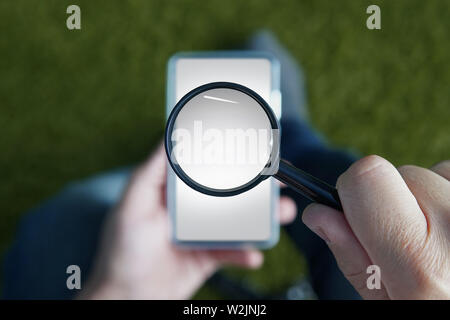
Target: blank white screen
(245, 217)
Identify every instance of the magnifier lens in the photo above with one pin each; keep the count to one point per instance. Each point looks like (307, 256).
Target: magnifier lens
(222, 139)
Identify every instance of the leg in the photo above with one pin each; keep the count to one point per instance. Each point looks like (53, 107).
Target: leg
(326, 164)
(63, 231)
(306, 149)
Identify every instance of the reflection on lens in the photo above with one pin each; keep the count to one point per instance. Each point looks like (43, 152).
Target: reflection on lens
(222, 139)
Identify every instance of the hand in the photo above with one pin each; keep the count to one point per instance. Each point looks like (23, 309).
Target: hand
(396, 219)
(137, 259)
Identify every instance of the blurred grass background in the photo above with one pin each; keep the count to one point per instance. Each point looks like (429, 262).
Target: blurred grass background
(73, 103)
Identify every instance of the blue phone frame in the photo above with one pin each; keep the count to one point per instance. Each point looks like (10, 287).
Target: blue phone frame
(171, 176)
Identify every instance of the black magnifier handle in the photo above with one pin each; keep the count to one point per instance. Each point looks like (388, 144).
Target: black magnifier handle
(308, 186)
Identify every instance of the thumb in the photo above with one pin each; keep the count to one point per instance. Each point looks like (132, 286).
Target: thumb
(387, 220)
(152, 173)
(351, 257)
(146, 190)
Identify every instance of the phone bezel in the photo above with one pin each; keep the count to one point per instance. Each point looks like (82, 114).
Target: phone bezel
(171, 176)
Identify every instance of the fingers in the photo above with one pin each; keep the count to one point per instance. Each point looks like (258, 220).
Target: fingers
(153, 171)
(385, 217)
(442, 169)
(428, 186)
(331, 226)
(376, 200)
(250, 258)
(146, 190)
(432, 191)
(287, 210)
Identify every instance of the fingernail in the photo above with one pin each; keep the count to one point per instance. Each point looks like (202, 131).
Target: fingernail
(319, 231)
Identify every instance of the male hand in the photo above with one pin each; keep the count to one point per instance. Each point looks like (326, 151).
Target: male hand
(137, 259)
(396, 219)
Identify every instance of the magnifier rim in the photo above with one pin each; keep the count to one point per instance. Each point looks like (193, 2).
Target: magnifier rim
(171, 122)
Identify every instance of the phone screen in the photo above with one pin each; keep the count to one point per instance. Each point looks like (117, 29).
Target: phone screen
(250, 217)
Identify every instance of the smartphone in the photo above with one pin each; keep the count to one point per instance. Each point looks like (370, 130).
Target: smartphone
(247, 219)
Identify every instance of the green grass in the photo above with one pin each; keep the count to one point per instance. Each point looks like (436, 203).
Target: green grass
(73, 103)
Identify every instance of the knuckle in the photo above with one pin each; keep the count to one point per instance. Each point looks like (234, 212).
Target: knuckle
(442, 167)
(405, 170)
(445, 164)
(369, 163)
(363, 169)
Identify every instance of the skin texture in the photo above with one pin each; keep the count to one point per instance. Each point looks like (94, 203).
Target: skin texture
(397, 219)
(136, 259)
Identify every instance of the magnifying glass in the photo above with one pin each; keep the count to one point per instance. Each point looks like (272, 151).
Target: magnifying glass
(223, 139)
